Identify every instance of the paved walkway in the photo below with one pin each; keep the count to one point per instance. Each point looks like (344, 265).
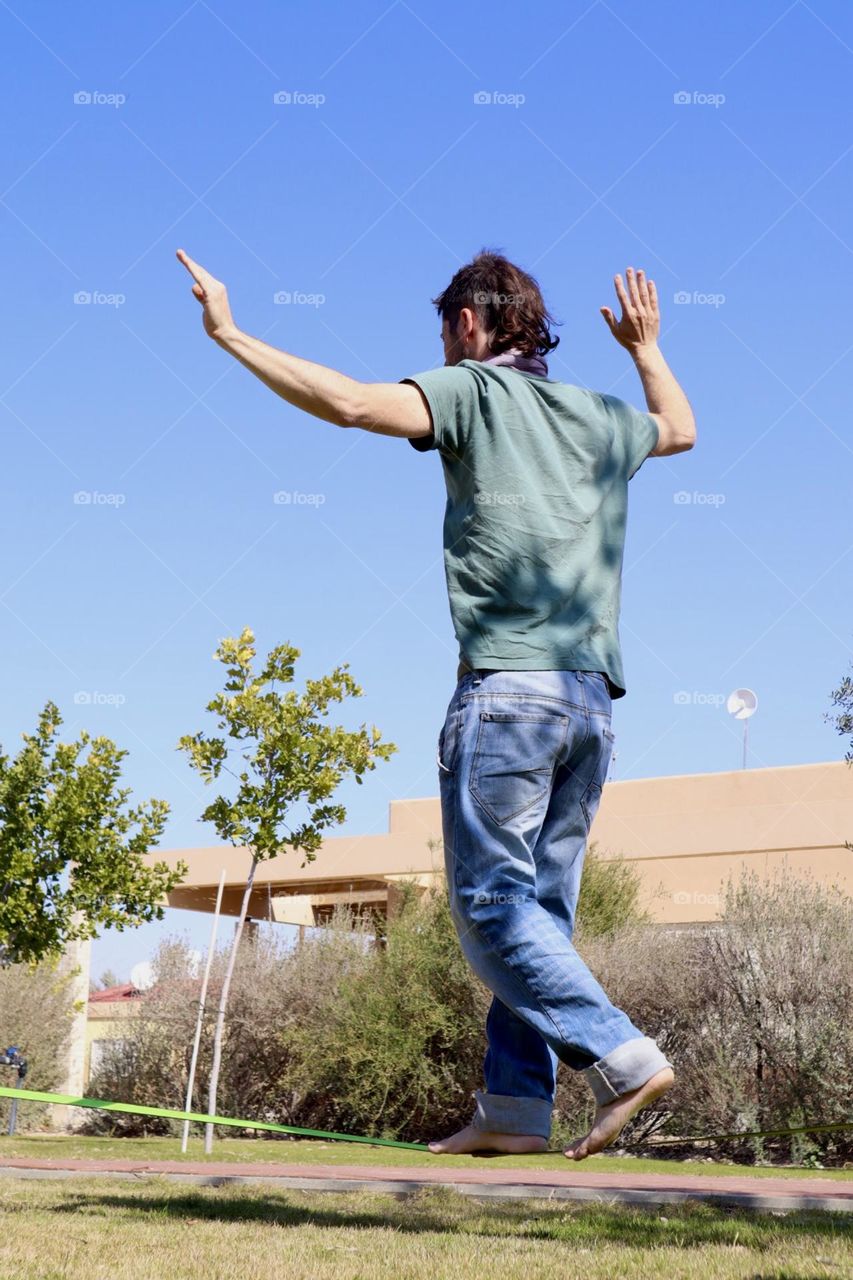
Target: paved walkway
(493, 1180)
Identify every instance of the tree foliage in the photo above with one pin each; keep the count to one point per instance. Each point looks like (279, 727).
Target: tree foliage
(281, 754)
(72, 848)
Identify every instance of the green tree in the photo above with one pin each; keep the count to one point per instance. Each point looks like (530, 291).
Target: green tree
(842, 718)
(72, 853)
(280, 754)
(107, 979)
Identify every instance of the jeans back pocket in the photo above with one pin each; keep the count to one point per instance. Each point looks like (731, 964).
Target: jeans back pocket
(514, 760)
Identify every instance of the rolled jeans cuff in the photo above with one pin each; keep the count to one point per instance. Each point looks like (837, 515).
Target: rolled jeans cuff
(502, 1113)
(624, 1069)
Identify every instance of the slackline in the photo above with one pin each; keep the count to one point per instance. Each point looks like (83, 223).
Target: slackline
(127, 1108)
(98, 1104)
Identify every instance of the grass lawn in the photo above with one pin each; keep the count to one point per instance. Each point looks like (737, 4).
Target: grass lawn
(305, 1151)
(92, 1229)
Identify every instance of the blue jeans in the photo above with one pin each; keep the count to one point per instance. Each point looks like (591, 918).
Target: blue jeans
(522, 758)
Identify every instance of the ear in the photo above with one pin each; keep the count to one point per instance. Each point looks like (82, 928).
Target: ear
(467, 323)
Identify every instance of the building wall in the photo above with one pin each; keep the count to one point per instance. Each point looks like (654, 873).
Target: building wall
(76, 958)
(685, 834)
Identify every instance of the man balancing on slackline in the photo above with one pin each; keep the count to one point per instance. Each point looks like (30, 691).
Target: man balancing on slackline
(537, 475)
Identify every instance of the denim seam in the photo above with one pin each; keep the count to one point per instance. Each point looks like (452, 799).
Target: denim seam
(592, 785)
(473, 775)
(540, 697)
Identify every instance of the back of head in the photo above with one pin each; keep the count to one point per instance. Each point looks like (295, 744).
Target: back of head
(507, 301)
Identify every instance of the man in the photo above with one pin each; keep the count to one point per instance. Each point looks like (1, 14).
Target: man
(537, 475)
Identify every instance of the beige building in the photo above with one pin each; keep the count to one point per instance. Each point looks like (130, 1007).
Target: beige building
(685, 834)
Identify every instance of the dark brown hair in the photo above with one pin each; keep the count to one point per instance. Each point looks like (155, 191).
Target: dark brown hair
(507, 301)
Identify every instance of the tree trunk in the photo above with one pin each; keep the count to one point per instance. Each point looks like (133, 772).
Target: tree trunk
(223, 1005)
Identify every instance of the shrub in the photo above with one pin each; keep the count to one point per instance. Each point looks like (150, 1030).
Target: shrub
(385, 1037)
(395, 1049)
(36, 1006)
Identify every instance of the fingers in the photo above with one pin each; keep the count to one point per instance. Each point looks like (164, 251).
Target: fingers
(198, 273)
(634, 289)
(609, 318)
(638, 295)
(622, 295)
(653, 297)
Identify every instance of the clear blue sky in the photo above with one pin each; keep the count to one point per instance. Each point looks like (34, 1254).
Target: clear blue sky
(367, 189)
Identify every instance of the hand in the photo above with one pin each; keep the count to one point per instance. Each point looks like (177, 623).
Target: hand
(640, 323)
(213, 296)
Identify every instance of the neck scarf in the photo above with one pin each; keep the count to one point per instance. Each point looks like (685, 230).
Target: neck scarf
(524, 364)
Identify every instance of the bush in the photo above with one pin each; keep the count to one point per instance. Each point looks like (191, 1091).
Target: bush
(36, 1006)
(609, 897)
(395, 1048)
(385, 1038)
(753, 1012)
(778, 1037)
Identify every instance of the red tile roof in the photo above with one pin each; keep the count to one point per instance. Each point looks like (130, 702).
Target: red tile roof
(125, 991)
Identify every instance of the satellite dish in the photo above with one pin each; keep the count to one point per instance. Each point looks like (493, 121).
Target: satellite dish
(142, 975)
(742, 703)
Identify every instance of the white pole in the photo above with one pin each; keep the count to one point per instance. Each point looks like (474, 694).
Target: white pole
(202, 999)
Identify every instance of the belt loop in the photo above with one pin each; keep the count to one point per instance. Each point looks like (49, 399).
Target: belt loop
(579, 675)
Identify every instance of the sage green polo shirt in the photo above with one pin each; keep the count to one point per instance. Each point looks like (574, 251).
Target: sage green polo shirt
(537, 476)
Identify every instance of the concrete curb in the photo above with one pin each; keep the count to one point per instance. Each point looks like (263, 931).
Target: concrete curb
(506, 1184)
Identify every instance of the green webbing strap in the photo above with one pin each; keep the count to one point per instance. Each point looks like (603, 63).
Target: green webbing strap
(97, 1104)
(756, 1133)
(30, 1095)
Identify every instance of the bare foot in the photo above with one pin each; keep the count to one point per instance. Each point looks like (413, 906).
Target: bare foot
(611, 1118)
(470, 1139)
